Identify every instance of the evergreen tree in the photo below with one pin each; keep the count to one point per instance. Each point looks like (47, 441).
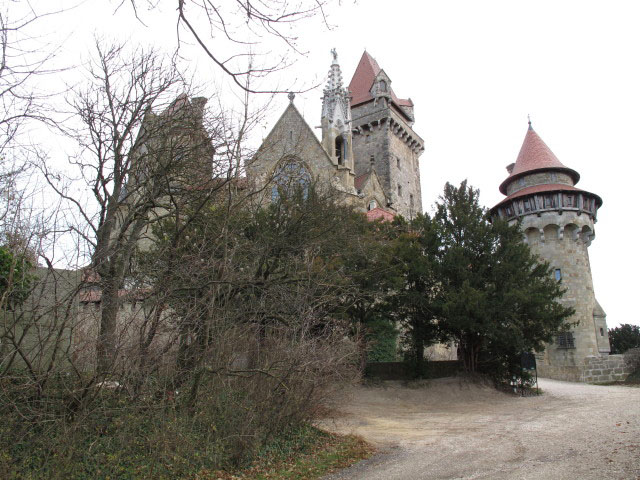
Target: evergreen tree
(417, 286)
(498, 299)
(624, 337)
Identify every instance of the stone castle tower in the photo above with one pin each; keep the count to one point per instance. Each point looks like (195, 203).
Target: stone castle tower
(336, 124)
(383, 138)
(558, 224)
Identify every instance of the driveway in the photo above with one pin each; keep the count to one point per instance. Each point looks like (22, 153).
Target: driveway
(450, 428)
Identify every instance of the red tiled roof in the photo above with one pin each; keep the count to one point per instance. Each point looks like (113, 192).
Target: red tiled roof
(535, 155)
(379, 213)
(360, 180)
(362, 81)
(549, 187)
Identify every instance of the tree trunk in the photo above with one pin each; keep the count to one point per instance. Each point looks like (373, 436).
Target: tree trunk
(106, 349)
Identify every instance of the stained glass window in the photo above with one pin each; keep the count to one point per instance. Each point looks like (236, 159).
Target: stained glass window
(289, 178)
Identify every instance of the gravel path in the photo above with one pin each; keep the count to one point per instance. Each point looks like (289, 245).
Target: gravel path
(448, 428)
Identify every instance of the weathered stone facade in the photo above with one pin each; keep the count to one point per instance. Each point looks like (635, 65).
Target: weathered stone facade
(368, 150)
(557, 221)
(383, 137)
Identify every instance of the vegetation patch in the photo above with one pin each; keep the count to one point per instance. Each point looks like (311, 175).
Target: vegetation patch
(307, 454)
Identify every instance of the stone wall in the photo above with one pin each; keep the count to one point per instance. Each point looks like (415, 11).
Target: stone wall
(610, 368)
(539, 179)
(595, 368)
(562, 239)
(383, 139)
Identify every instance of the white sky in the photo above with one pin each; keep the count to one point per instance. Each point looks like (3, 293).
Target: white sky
(474, 70)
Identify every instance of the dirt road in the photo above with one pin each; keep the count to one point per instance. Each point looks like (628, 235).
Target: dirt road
(451, 429)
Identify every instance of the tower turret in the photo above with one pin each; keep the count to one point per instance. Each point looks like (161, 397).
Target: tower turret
(557, 220)
(336, 119)
(383, 137)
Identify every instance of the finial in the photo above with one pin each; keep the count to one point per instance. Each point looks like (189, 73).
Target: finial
(335, 55)
(529, 119)
(291, 97)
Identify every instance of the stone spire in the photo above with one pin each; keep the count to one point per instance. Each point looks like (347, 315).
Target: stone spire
(335, 96)
(336, 118)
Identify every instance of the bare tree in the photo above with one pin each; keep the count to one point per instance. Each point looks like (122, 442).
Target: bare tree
(133, 161)
(23, 61)
(235, 35)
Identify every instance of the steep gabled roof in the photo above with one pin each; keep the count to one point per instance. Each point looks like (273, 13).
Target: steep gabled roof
(379, 214)
(535, 155)
(292, 115)
(362, 81)
(361, 180)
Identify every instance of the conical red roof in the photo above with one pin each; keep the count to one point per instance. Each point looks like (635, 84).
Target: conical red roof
(535, 155)
(362, 81)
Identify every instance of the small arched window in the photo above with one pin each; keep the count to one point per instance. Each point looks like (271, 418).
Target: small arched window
(372, 204)
(382, 86)
(340, 150)
(290, 178)
(399, 190)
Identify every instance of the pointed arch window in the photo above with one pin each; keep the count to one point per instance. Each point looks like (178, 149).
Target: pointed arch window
(340, 149)
(291, 177)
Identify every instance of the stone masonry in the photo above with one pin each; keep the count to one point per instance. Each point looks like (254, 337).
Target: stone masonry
(557, 220)
(383, 137)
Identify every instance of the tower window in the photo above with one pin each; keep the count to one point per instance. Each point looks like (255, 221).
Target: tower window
(340, 150)
(399, 190)
(565, 340)
(372, 204)
(372, 159)
(569, 201)
(398, 162)
(549, 201)
(601, 332)
(558, 274)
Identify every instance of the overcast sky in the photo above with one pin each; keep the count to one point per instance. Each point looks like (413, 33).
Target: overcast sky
(474, 70)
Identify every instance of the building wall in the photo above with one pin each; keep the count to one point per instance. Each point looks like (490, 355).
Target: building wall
(563, 240)
(383, 139)
(543, 178)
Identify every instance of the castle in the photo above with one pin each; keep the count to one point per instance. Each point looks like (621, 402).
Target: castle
(557, 220)
(368, 150)
(369, 153)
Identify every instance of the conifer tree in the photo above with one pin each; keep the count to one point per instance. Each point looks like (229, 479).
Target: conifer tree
(498, 299)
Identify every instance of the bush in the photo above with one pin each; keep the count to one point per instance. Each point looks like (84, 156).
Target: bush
(624, 337)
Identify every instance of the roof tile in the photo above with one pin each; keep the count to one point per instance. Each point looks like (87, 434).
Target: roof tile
(535, 155)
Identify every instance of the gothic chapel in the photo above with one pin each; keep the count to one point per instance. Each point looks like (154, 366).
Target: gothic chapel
(368, 150)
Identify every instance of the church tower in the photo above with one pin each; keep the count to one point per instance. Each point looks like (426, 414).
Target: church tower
(383, 137)
(336, 123)
(558, 224)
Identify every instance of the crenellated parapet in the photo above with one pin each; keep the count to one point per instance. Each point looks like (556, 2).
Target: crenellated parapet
(400, 129)
(550, 228)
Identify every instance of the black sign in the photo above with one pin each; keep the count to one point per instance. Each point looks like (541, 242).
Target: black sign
(528, 361)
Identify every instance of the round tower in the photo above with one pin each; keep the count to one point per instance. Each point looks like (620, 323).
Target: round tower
(557, 221)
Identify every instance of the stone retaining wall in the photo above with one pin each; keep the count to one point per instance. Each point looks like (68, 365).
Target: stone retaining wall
(596, 369)
(610, 368)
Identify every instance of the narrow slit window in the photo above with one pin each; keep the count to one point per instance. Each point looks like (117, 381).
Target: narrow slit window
(558, 274)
